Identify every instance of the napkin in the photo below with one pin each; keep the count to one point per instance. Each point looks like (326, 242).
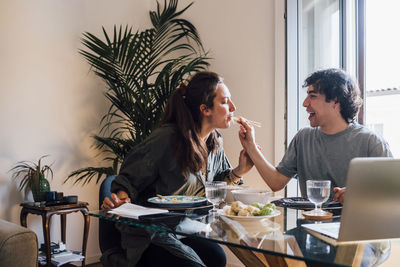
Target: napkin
(130, 210)
(189, 226)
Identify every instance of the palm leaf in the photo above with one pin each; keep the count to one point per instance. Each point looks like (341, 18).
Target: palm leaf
(85, 175)
(141, 69)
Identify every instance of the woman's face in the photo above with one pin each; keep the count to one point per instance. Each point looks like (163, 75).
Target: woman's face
(220, 115)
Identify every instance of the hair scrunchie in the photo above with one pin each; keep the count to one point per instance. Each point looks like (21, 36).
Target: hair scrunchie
(182, 89)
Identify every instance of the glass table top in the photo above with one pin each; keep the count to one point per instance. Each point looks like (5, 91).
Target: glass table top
(281, 235)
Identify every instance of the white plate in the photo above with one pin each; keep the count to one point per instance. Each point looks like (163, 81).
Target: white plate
(250, 218)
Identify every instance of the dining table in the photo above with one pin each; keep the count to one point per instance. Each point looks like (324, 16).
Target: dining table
(277, 240)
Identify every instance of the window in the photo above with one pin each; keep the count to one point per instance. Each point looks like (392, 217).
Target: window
(382, 71)
(320, 34)
(319, 42)
(354, 35)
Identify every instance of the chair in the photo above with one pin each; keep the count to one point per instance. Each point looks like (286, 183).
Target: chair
(109, 236)
(18, 245)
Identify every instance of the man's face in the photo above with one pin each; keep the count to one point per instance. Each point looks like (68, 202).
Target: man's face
(321, 113)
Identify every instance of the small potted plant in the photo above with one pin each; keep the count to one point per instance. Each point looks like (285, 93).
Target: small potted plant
(33, 177)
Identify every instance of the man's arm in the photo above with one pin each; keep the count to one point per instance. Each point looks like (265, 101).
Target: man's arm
(274, 179)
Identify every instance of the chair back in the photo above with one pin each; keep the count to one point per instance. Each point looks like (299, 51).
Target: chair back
(109, 236)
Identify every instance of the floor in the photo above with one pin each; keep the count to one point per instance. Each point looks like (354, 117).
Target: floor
(90, 265)
(100, 265)
(232, 261)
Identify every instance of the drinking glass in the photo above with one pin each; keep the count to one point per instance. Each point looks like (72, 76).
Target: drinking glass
(318, 192)
(215, 193)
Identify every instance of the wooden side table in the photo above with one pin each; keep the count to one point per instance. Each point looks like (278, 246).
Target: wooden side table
(62, 210)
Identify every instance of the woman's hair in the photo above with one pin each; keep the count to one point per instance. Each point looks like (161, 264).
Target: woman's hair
(183, 110)
(338, 86)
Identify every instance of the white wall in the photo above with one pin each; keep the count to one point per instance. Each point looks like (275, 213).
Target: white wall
(241, 39)
(51, 103)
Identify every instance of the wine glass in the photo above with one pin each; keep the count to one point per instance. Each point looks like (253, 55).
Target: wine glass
(215, 193)
(318, 192)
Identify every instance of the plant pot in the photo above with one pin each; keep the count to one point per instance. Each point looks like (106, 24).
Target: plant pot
(40, 189)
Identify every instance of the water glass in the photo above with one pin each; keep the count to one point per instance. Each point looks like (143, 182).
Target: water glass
(318, 192)
(215, 193)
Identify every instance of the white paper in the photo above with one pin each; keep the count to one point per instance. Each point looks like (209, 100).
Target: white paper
(328, 229)
(130, 210)
(60, 259)
(65, 259)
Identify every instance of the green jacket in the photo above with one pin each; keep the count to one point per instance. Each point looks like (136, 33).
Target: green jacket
(150, 169)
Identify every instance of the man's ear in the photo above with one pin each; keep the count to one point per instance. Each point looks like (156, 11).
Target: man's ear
(204, 110)
(337, 104)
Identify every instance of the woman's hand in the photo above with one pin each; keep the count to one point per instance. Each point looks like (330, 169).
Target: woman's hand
(245, 163)
(115, 201)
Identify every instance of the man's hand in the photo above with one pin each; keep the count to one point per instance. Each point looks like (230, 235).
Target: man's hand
(339, 194)
(246, 134)
(115, 201)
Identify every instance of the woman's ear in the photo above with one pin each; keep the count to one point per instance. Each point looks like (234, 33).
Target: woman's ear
(204, 110)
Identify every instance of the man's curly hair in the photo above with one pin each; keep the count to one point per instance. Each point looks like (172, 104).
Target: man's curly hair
(337, 86)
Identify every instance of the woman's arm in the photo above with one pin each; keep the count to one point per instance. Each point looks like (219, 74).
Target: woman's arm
(222, 169)
(244, 166)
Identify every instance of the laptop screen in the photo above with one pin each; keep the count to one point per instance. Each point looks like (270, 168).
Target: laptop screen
(371, 208)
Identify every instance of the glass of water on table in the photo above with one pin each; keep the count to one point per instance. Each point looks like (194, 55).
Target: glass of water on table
(318, 192)
(215, 193)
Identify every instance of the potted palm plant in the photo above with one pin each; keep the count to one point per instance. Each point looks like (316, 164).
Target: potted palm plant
(33, 177)
(141, 69)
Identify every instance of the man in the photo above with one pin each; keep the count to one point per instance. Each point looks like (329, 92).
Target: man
(324, 150)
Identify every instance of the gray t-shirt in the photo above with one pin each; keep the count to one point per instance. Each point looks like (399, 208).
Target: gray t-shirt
(314, 155)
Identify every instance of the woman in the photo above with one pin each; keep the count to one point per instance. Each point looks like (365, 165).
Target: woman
(177, 158)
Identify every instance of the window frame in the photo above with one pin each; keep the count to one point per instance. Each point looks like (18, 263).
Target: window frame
(352, 59)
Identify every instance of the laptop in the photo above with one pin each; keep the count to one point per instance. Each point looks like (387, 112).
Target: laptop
(371, 210)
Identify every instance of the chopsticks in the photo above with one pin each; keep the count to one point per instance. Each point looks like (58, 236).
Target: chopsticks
(165, 198)
(252, 123)
(162, 197)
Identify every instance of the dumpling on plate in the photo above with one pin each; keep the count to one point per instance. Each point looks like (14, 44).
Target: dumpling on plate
(231, 212)
(236, 206)
(253, 210)
(244, 212)
(227, 210)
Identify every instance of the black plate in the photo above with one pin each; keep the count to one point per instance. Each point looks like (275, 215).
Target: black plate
(170, 218)
(303, 203)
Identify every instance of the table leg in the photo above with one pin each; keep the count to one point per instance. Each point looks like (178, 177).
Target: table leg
(247, 257)
(85, 234)
(274, 260)
(46, 234)
(63, 219)
(351, 254)
(22, 217)
(259, 259)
